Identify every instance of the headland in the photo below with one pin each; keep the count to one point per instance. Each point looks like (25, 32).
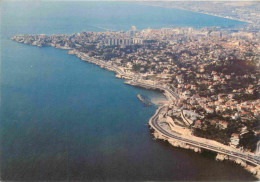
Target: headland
(145, 60)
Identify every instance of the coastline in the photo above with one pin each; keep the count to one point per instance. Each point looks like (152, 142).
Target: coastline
(205, 13)
(157, 134)
(51, 94)
(170, 96)
(220, 157)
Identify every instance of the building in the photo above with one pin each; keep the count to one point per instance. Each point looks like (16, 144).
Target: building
(197, 124)
(222, 124)
(119, 41)
(234, 140)
(137, 41)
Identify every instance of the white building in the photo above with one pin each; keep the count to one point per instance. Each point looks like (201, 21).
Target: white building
(234, 140)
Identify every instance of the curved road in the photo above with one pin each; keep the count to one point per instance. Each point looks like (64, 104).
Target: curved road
(154, 124)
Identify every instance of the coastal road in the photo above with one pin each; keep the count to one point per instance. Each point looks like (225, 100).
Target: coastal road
(154, 120)
(154, 123)
(173, 95)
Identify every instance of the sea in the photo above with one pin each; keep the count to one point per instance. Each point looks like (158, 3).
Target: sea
(63, 119)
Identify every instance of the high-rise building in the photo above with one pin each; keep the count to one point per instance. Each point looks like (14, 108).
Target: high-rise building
(133, 31)
(119, 41)
(137, 41)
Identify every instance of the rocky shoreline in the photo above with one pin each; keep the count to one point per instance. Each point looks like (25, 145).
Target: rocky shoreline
(255, 170)
(220, 157)
(175, 143)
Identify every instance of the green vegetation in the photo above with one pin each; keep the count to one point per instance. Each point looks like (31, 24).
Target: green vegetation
(249, 140)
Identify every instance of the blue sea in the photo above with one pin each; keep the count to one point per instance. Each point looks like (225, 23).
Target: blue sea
(65, 119)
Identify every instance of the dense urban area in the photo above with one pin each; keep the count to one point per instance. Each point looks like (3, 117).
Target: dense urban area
(214, 71)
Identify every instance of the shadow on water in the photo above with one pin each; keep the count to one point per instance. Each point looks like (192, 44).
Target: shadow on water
(209, 154)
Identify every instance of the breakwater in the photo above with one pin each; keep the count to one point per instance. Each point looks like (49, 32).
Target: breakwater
(144, 100)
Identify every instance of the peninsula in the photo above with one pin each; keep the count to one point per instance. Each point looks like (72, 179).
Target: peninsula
(210, 77)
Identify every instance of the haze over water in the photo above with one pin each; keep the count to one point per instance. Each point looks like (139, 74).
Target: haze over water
(62, 118)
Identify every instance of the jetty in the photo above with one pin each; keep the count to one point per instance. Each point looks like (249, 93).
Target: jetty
(144, 100)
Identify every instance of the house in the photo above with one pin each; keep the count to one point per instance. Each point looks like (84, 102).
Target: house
(216, 78)
(234, 140)
(179, 79)
(236, 116)
(219, 108)
(186, 94)
(231, 96)
(129, 65)
(209, 110)
(244, 113)
(212, 122)
(197, 124)
(222, 124)
(193, 87)
(244, 130)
